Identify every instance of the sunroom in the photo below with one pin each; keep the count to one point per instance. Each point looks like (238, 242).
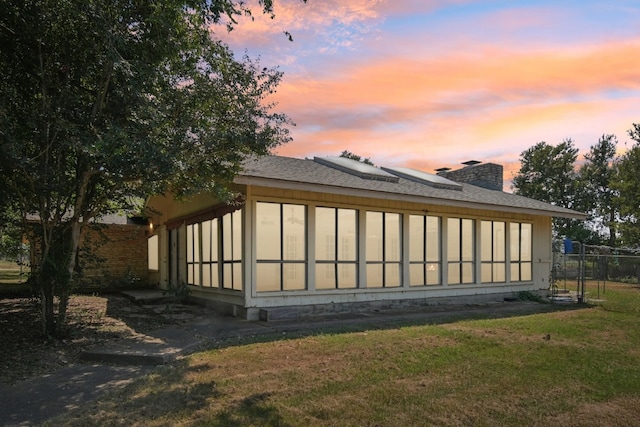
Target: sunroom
(330, 235)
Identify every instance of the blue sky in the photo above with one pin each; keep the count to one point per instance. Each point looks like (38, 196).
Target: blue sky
(427, 84)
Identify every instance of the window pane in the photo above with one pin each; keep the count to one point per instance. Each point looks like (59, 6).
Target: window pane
(486, 243)
(348, 235)
(433, 274)
(294, 276)
(499, 272)
(237, 276)
(227, 278)
(525, 239)
(267, 277)
(467, 240)
(392, 237)
(325, 276)
(237, 235)
(392, 275)
(416, 238)
(215, 276)
(416, 275)
(514, 244)
(486, 272)
(190, 243)
(206, 275)
(196, 274)
(515, 272)
(374, 275)
(454, 274)
(153, 253)
(347, 276)
(325, 234)
(190, 274)
(294, 232)
(227, 238)
(453, 239)
(374, 236)
(214, 241)
(268, 231)
(433, 239)
(499, 238)
(467, 273)
(206, 241)
(526, 271)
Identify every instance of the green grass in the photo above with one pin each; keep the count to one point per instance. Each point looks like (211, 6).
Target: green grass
(12, 279)
(474, 372)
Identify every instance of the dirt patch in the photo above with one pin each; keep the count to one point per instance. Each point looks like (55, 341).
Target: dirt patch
(92, 321)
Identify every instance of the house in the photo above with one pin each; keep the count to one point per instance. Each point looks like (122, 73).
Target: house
(333, 234)
(112, 253)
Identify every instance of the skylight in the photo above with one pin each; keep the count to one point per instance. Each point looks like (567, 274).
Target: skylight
(432, 180)
(356, 168)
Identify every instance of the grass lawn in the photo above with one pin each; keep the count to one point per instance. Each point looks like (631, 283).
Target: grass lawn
(12, 279)
(566, 368)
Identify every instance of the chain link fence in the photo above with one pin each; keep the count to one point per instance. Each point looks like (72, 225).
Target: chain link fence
(598, 275)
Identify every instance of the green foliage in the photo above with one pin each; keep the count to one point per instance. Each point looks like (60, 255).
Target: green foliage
(547, 173)
(180, 290)
(529, 296)
(627, 184)
(606, 187)
(596, 194)
(102, 102)
(349, 155)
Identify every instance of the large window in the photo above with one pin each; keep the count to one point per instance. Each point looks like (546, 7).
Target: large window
(153, 254)
(520, 252)
(384, 249)
(460, 251)
(336, 248)
(193, 254)
(424, 250)
(214, 252)
(281, 243)
(493, 251)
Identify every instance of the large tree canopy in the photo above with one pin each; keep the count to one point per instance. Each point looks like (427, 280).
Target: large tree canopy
(595, 191)
(627, 184)
(105, 100)
(547, 173)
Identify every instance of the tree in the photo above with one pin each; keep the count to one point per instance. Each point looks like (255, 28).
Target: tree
(596, 195)
(350, 155)
(547, 173)
(106, 101)
(627, 184)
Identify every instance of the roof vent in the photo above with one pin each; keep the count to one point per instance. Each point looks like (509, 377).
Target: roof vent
(442, 171)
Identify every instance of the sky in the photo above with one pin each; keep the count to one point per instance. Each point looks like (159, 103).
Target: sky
(433, 83)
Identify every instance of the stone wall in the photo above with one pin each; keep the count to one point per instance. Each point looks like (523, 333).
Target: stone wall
(486, 175)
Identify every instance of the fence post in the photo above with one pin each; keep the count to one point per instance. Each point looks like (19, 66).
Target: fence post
(582, 265)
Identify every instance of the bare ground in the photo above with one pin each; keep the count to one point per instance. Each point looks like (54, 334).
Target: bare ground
(92, 321)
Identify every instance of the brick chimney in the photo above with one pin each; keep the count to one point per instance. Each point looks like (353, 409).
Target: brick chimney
(485, 175)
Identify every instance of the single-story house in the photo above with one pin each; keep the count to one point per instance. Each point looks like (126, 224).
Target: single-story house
(333, 234)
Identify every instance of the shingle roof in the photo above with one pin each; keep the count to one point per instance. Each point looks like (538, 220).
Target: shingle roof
(292, 173)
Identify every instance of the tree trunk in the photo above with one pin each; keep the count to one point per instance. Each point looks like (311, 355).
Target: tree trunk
(76, 229)
(46, 301)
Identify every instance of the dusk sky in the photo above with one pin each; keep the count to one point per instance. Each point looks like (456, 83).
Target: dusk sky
(428, 84)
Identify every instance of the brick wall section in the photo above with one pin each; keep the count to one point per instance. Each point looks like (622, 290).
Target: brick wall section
(114, 256)
(485, 175)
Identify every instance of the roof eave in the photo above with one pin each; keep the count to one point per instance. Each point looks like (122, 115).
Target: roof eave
(356, 192)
